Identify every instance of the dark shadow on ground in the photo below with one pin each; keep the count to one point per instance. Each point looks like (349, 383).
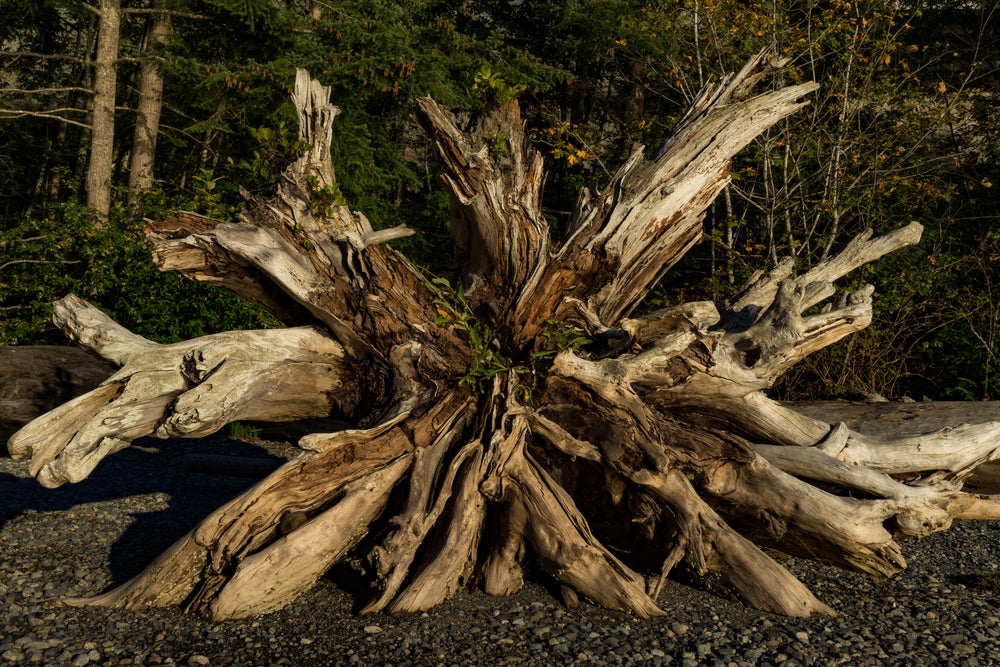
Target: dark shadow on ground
(148, 466)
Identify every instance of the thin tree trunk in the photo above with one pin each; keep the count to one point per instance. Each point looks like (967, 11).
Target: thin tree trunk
(81, 162)
(147, 121)
(102, 140)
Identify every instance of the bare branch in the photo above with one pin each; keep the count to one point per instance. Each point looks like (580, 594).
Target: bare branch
(166, 12)
(46, 56)
(34, 91)
(53, 114)
(38, 261)
(90, 8)
(30, 238)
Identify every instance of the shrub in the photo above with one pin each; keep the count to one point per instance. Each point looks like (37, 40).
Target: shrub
(42, 260)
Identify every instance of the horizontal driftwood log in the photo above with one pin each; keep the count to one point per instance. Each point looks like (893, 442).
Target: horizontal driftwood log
(894, 418)
(37, 378)
(897, 418)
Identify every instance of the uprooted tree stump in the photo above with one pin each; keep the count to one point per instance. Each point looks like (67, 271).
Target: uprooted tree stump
(516, 410)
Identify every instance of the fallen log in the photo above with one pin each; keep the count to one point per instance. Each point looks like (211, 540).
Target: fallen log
(880, 418)
(38, 378)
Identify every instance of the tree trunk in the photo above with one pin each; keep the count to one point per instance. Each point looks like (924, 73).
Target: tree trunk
(102, 140)
(517, 409)
(147, 120)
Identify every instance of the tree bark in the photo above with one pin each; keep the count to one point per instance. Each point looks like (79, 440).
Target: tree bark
(102, 138)
(517, 409)
(147, 120)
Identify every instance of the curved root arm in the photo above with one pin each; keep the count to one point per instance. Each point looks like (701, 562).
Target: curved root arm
(273, 541)
(623, 239)
(761, 334)
(711, 546)
(497, 226)
(565, 547)
(696, 534)
(187, 389)
(274, 576)
(459, 501)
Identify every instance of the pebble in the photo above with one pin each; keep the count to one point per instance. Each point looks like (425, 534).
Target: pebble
(80, 539)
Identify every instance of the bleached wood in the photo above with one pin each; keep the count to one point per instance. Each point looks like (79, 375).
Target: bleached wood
(394, 557)
(271, 578)
(187, 389)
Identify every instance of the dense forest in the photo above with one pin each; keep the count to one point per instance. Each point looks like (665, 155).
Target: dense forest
(115, 111)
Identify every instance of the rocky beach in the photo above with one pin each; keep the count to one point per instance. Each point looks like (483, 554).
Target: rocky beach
(80, 539)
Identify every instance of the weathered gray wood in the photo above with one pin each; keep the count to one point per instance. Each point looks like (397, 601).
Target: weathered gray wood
(187, 389)
(898, 418)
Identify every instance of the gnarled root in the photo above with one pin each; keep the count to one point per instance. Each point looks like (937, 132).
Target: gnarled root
(187, 389)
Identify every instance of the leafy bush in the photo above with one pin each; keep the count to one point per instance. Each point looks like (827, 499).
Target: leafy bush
(42, 260)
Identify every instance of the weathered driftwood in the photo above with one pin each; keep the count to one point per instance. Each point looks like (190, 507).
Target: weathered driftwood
(885, 418)
(910, 418)
(484, 429)
(35, 379)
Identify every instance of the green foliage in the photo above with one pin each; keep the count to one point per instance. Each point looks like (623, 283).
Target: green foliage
(321, 199)
(42, 260)
(489, 90)
(560, 337)
(241, 431)
(211, 196)
(454, 312)
(277, 148)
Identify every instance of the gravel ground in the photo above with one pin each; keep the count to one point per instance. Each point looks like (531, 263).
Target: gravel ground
(81, 539)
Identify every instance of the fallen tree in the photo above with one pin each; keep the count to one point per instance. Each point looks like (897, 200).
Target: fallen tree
(518, 409)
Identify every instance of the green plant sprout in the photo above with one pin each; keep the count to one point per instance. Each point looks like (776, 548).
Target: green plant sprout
(241, 431)
(322, 199)
(490, 90)
(455, 312)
